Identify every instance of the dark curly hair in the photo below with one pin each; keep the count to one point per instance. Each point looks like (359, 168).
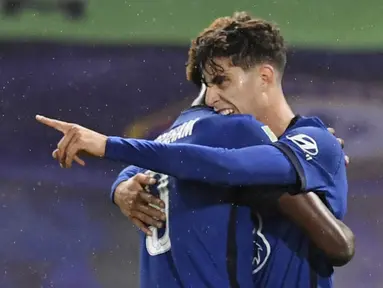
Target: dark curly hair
(245, 40)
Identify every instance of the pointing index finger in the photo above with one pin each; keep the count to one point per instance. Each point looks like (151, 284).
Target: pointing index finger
(56, 124)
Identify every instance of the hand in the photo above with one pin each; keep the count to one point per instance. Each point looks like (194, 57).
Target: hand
(136, 204)
(341, 141)
(76, 139)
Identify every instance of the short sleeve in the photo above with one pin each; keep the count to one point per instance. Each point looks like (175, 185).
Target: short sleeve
(319, 161)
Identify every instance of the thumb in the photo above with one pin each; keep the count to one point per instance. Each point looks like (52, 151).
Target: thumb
(144, 179)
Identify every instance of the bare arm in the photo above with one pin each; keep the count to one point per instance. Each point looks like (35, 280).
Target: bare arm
(329, 234)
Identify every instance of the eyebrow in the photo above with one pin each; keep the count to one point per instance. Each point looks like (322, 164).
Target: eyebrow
(218, 78)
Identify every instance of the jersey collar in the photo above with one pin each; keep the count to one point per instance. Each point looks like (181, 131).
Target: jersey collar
(293, 121)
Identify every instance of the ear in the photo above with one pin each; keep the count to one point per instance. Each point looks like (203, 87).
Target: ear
(267, 73)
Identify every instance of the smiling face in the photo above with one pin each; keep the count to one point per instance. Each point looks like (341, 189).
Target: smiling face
(233, 90)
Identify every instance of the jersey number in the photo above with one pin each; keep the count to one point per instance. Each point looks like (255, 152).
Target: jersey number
(158, 245)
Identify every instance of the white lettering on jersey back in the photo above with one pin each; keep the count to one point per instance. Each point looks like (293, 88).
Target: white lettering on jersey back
(306, 144)
(160, 244)
(182, 131)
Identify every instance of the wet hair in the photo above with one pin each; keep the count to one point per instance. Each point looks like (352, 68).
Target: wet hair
(245, 40)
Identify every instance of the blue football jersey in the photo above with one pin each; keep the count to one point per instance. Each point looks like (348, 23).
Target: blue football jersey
(202, 244)
(319, 160)
(307, 154)
(285, 256)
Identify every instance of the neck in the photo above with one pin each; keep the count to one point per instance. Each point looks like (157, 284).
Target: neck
(278, 115)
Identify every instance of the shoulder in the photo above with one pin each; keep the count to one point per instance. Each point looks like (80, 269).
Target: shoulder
(229, 122)
(235, 130)
(315, 145)
(311, 131)
(312, 138)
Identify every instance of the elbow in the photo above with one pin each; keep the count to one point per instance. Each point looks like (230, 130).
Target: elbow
(345, 249)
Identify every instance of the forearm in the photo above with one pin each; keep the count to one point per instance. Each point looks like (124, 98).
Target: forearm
(256, 165)
(347, 253)
(329, 234)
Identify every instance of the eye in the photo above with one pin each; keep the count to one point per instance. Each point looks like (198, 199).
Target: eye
(218, 80)
(221, 81)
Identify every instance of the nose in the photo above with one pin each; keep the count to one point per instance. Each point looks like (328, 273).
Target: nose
(212, 96)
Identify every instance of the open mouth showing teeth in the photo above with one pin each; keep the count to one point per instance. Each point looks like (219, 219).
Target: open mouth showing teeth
(226, 111)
